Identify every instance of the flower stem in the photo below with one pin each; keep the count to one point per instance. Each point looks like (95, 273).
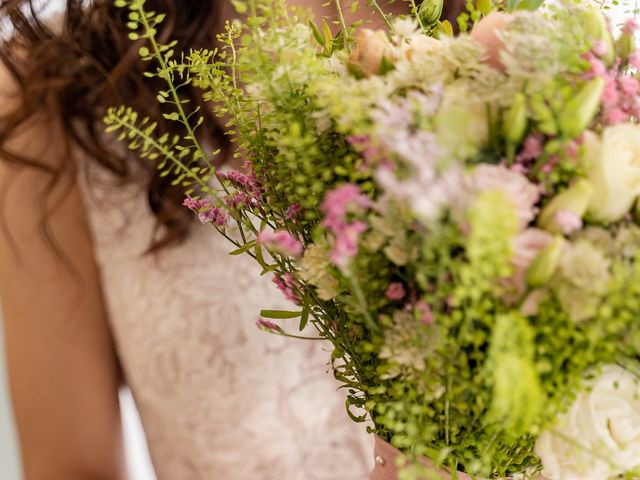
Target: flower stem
(379, 9)
(343, 23)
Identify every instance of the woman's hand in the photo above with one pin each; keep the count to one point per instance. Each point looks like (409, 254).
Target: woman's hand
(63, 372)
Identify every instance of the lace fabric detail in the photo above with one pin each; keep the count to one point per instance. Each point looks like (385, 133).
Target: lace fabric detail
(217, 397)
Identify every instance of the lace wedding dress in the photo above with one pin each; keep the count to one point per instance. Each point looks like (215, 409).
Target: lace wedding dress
(218, 398)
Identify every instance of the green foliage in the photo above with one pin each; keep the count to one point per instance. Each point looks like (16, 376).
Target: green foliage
(173, 159)
(517, 394)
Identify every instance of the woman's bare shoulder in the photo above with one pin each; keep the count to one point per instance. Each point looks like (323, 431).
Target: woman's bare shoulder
(56, 330)
(37, 185)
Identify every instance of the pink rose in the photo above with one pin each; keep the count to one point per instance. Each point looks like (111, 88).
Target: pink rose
(372, 47)
(486, 34)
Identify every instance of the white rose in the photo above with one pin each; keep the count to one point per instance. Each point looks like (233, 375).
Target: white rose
(599, 437)
(613, 167)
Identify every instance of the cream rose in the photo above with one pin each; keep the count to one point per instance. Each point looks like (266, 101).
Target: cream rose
(599, 437)
(613, 168)
(421, 46)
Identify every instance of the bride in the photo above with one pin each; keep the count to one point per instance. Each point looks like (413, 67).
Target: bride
(102, 282)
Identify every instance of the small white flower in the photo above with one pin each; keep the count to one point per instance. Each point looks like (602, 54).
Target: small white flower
(599, 437)
(405, 27)
(335, 65)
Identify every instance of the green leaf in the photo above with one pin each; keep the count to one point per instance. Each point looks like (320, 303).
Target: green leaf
(279, 314)
(241, 7)
(304, 319)
(316, 33)
(357, 419)
(244, 248)
(446, 28)
(529, 4)
(484, 6)
(328, 37)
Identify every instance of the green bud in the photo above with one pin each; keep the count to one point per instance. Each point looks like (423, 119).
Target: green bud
(596, 27)
(543, 115)
(514, 124)
(546, 263)
(575, 199)
(429, 12)
(581, 108)
(626, 45)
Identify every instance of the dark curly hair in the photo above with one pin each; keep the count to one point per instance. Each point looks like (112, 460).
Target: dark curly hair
(77, 67)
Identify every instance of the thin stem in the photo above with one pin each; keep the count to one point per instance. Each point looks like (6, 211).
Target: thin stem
(343, 23)
(415, 11)
(362, 303)
(234, 61)
(174, 93)
(299, 337)
(379, 9)
(446, 412)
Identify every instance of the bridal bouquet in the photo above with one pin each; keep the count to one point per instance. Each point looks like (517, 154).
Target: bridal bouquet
(457, 215)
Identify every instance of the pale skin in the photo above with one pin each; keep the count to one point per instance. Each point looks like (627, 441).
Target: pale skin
(63, 369)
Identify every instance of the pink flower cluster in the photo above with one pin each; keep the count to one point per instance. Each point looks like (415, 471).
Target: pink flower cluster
(395, 291)
(269, 326)
(196, 204)
(214, 215)
(281, 241)
(531, 150)
(336, 208)
(620, 95)
(248, 188)
(207, 213)
(568, 221)
(286, 284)
(424, 311)
(241, 199)
(292, 211)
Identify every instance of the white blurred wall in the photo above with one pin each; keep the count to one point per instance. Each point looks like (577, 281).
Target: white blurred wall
(9, 459)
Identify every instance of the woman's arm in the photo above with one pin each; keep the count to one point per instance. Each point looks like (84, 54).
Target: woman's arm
(63, 370)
